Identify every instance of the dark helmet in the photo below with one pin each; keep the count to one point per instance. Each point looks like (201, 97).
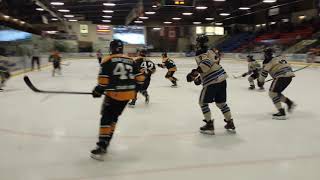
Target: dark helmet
(268, 52)
(143, 52)
(164, 55)
(116, 46)
(250, 58)
(202, 39)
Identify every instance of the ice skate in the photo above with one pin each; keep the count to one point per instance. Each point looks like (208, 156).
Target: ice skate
(174, 84)
(252, 87)
(230, 126)
(281, 115)
(291, 106)
(132, 103)
(1, 90)
(98, 153)
(147, 99)
(208, 128)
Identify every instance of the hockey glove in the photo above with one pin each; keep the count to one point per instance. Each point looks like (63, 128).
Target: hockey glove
(244, 74)
(197, 81)
(192, 75)
(97, 92)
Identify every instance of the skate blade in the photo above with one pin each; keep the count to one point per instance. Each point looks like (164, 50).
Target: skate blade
(209, 132)
(131, 106)
(279, 118)
(233, 131)
(97, 157)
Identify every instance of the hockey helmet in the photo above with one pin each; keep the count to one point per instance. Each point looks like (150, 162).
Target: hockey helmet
(116, 46)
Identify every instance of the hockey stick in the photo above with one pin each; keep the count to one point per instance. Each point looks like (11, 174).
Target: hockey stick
(237, 77)
(33, 88)
(294, 71)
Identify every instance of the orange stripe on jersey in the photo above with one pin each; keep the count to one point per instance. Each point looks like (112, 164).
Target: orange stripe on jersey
(172, 69)
(122, 95)
(106, 130)
(103, 80)
(140, 78)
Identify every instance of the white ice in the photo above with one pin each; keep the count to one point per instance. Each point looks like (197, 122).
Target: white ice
(50, 136)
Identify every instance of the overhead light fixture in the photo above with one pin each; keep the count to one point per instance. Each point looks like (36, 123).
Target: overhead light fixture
(167, 22)
(69, 16)
(272, 23)
(108, 11)
(6, 17)
(22, 22)
(73, 20)
(176, 18)
(143, 17)
(224, 14)
(108, 17)
(138, 22)
(196, 22)
(263, 24)
(15, 19)
(244, 8)
(57, 3)
(269, 1)
(150, 12)
(285, 20)
(154, 6)
(51, 32)
(209, 19)
(258, 25)
(106, 20)
(187, 13)
(63, 10)
(54, 19)
(219, 0)
(219, 24)
(39, 9)
(302, 17)
(109, 4)
(156, 29)
(201, 7)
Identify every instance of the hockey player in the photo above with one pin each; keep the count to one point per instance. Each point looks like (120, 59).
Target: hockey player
(254, 69)
(213, 78)
(99, 56)
(117, 81)
(172, 68)
(147, 67)
(55, 58)
(282, 75)
(4, 73)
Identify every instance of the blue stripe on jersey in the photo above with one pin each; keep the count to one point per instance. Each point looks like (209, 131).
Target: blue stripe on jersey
(206, 62)
(213, 76)
(264, 73)
(283, 71)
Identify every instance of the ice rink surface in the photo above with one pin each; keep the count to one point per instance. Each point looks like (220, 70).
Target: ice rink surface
(50, 136)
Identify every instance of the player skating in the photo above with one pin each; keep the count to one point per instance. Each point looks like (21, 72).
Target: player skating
(172, 68)
(4, 73)
(282, 75)
(99, 56)
(147, 67)
(213, 78)
(55, 58)
(117, 81)
(254, 69)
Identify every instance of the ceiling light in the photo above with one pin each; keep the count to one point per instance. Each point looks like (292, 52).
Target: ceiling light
(109, 4)
(224, 14)
(272, 23)
(156, 29)
(187, 14)
(39, 9)
(143, 17)
(244, 8)
(108, 17)
(51, 32)
(269, 1)
(197, 22)
(107, 11)
(176, 18)
(219, 0)
(138, 22)
(150, 12)
(73, 20)
(209, 19)
(54, 19)
(167, 22)
(154, 6)
(15, 19)
(302, 17)
(258, 25)
(64, 10)
(6, 17)
(22, 22)
(57, 3)
(68, 16)
(285, 20)
(263, 24)
(219, 24)
(106, 20)
(201, 7)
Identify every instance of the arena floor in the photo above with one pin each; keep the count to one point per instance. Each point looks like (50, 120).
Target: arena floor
(50, 136)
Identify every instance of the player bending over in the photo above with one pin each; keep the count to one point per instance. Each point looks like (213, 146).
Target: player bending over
(4, 73)
(147, 67)
(55, 58)
(117, 81)
(254, 69)
(172, 68)
(213, 78)
(282, 75)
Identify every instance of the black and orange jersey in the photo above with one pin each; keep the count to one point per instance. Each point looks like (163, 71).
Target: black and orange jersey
(169, 64)
(146, 66)
(118, 76)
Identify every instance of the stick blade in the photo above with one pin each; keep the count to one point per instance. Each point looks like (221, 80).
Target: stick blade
(30, 85)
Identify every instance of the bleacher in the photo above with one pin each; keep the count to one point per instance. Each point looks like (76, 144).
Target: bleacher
(236, 41)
